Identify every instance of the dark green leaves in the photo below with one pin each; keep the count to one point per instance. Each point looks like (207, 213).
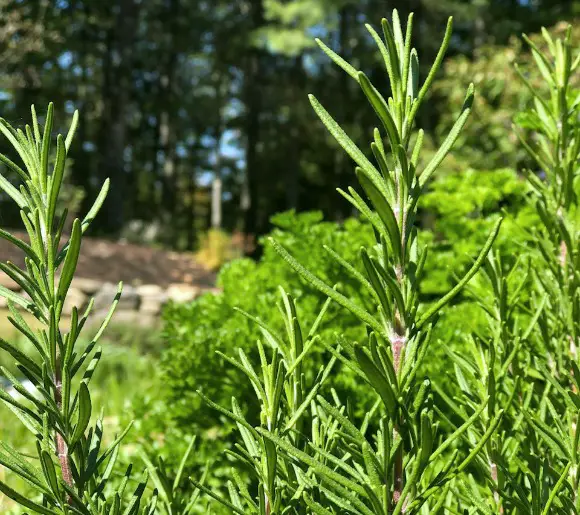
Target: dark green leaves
(84, 413)
(376, 378)
(70, 261)
(381, 108)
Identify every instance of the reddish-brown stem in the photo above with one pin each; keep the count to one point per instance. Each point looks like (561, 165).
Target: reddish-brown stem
(493, 471)
(398, 342)
(397, 345)
(398, 481)
(61, 445)
(563, 254)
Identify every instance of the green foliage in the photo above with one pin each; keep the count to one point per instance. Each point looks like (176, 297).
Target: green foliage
(554, 148)
(212, 324)
(526, 360)
(123, 375)
(287, 32)
(495, 443)
(386, 382)
(488, 141)
(73, 463)
(399, 465)
(461, 208)
(172, 500)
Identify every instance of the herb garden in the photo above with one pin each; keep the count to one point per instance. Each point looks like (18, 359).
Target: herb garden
(360, 367)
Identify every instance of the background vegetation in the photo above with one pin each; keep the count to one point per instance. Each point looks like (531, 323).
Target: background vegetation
(175, 95)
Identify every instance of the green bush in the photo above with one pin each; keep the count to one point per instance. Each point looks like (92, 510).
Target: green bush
(506, 438)
(387, 381)
(194, 332)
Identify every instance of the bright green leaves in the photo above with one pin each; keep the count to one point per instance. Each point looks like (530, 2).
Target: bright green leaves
(406, 459)
(286, 401)
(377, 378)
(45, 153)
(55, 180)
(171, 500)
(11, 191)
(72, 129)
(338, 60)
(431, 76)
(74, 471)
(549, 131)
(84, 413)
(553, 118)
(70, 261)
(340, 136)
(386, 214)
(395, 191)
(332, 293)
(433, 310)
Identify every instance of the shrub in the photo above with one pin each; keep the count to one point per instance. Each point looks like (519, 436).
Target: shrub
(195, 332)
(502, 444)
(346, 414)
(309, 453)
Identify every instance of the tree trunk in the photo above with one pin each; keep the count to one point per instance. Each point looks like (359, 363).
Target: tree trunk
(216, 203)
(216, 190)
(293, 173)
(252, 99)
(192, 187)
(115, 97)
(167, 130)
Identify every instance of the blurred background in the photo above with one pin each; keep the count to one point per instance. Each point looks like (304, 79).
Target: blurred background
(185, 101)
(198, 112)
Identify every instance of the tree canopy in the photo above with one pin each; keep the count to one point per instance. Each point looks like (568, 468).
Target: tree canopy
(174, 95)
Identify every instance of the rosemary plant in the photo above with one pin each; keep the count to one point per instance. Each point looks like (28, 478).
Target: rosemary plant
(284, 397)
(554, 146)
(494, 366)
(528, 364)
(172, 499)
(404, 463)
(73, 468)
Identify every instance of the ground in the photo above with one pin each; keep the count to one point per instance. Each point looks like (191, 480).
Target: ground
(109, 261)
